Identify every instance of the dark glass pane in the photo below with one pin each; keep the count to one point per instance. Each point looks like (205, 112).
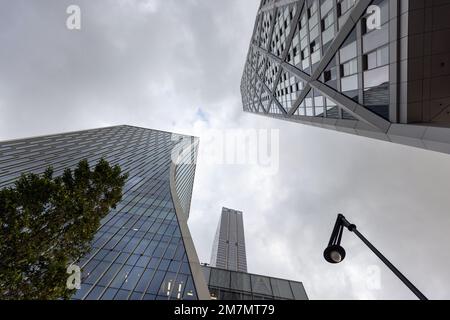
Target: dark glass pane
(220, 278)
(281, 288)
(261, 285)
(240, 281)
(109, 294)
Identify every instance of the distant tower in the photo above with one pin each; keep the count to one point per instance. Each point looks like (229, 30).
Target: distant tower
(229, 244)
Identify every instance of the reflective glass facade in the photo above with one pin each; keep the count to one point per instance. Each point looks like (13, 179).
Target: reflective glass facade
(376, 68)
(235, 285)
(302, 33)
(140, 251)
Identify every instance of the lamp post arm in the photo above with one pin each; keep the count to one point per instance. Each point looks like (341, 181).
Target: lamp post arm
(408, 283)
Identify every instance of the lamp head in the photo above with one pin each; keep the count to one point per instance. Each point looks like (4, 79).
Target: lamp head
(334, 254)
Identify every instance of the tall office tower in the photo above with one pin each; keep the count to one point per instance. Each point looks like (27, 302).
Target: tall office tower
(375, 68)
(227, 276)
(143, 249)
(229, 243)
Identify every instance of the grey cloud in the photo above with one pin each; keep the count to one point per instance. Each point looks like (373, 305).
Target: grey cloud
(156, 64)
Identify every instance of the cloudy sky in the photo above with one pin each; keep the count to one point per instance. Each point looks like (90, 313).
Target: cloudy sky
(176, 65)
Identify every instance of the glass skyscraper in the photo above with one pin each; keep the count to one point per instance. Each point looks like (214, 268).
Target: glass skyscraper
(227, 276)
(375, 68)
(229, 243)
(143, 249)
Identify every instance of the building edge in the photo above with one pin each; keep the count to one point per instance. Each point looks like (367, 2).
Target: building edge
(182, 217)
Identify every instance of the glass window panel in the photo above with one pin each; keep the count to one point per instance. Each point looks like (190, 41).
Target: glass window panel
(314, 32)
(206, 273)
(168, 284)
(303, 33)
(230, 295)
(170, 252)
(376, 77)
(313, 21)
(299, 291)
(111, 256)
(177, 292)
(142, 246)
(376, 38)
(328, 35)
(326, 6)
(327, 21)
(372, 60)
(185, 269)
(189, 291)
(318, 101)
(87, 269)
(132, 278)
(349, 83)
(348, 52)
(164, 265)
(349, 68)
(101, 254)
(97, 272)
(136, 296)
(305, 64)
(330, 103)
(240, 281)
(315, 57)
(122, 295)
(123, 257)
(383, 56)
(109, 294)
(144, 280)
(121, 277)
(220, 278)
(319, 111)
(133, 259)
(156, 283)
(95, 293)
(332, 112)
(261, 285)
(82, 291)
(281, 288)
(180, 252)
(109, 274)
(143, 261)
(384, 6)
(158, 253)
(174, 266)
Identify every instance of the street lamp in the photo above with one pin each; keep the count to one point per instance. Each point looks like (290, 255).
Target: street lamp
(335, 253)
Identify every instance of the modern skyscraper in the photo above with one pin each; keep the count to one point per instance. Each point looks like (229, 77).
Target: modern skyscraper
(229, 243)
(375, 68)
(143, 249)
(227, 277)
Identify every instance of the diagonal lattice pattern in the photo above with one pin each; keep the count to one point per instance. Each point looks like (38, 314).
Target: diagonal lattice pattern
(321, 62)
